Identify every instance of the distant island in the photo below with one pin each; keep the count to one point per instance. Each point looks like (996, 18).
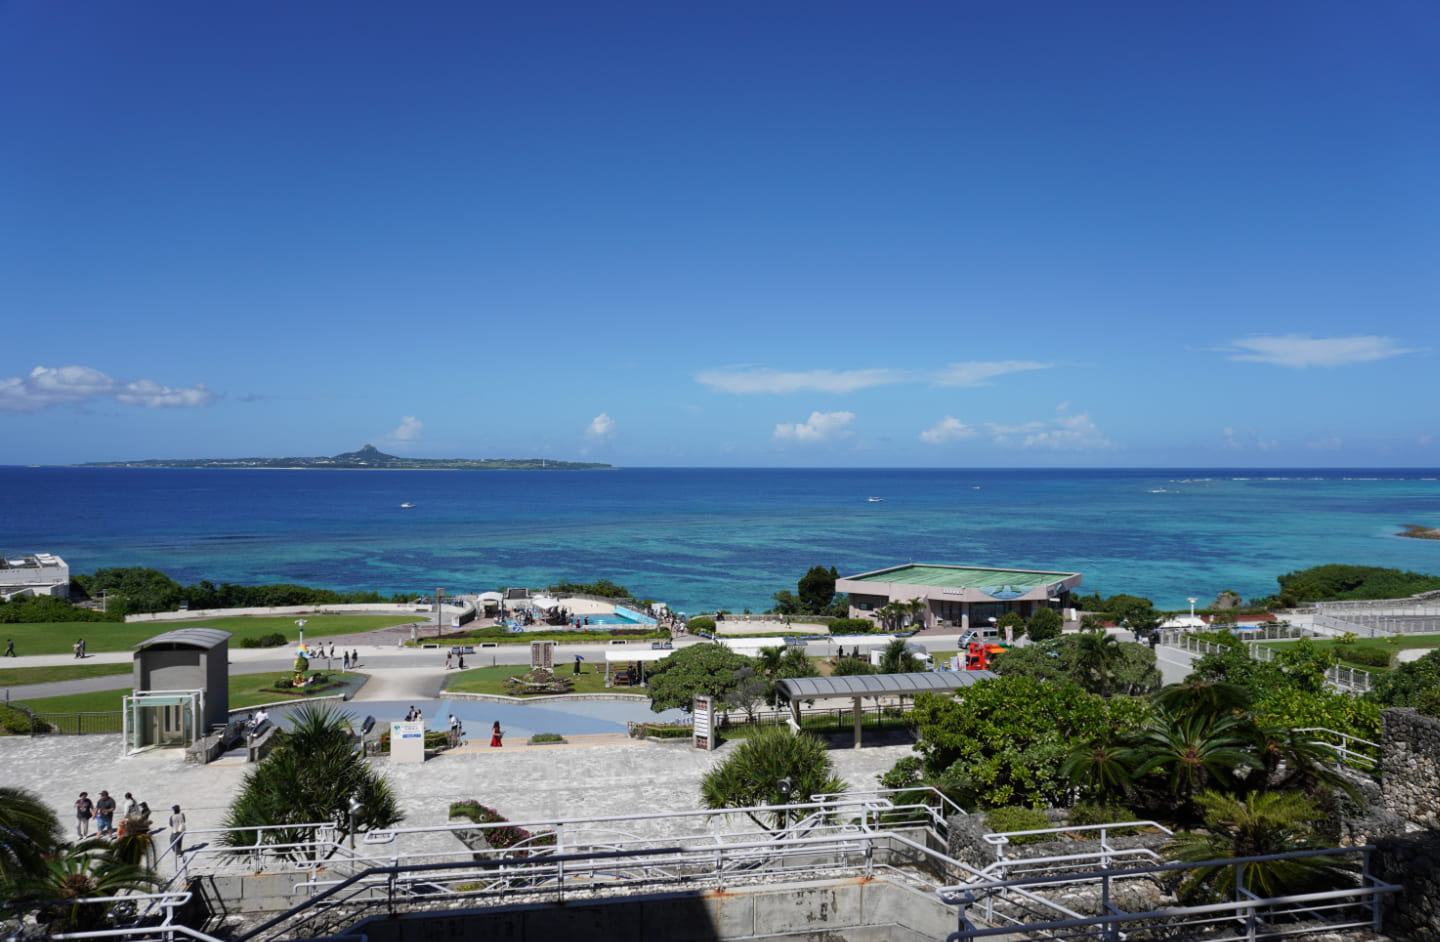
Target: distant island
(1420, 533)
(368, 458)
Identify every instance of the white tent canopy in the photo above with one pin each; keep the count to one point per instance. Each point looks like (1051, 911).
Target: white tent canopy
(545, 601)
(490, 597)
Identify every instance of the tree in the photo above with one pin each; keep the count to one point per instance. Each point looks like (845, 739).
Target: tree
(1258, 825)
(786, 603)
(1135, 612)
(1045, 624)
(751, 690)
(1011, 620)
(29, 833)
(772, 767)
(57, 889)
(1404, 685)
(817, 589)
(897, 658)
(707, 669)
(1192, 751)
(1096, 655)
(851, 666)
(311, 776)
(1304, 663)
(1132, 671)
(896, 615)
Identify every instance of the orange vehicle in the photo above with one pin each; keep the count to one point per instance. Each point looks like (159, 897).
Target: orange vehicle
(977, 655)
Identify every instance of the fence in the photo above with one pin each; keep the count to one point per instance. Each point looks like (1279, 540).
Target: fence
(1344, 679)
(1377, 623)
(72, 724)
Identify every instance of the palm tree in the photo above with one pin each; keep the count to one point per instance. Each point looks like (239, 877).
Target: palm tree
(310, 777)
(29, 833)
(898, 659)
(1260, 824)
(772, 767)
(1096, 654)
(58, 889)
(1203, 697)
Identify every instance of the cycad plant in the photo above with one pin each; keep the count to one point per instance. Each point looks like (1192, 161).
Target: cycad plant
(1260, 824)
(29, 833)
(1192, 751)
(772, 767)
(58, 889)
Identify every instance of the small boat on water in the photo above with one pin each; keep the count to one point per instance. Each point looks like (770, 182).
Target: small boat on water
(875, 500)
(406, 506)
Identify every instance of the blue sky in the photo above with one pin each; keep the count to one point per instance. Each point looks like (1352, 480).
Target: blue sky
(752, 234)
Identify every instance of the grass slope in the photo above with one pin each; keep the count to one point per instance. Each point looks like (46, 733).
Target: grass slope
(59, 637)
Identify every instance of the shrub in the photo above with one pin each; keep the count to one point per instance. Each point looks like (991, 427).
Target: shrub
(1223, 638)
(999, 820)
(1347, 638)
(905, 772)
(17, 722)
(1100, 812)
(273, 640)
(851, 666)
(1371, 657)
(1046, 623)
(1428, 702)
(547, 737)
(702, 623)
(499, 838)
(851, 626)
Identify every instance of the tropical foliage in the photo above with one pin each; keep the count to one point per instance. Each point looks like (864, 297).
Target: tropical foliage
(707, 669)
(57, 889)
(1335, 581)
(29, 833)
(310, 777)
(1045, 624)
(772, 767)
(1126, 668)
(1256, 825)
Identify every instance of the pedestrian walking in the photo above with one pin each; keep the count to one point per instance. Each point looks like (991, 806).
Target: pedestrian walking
(454, 731)
(9, 648)
(495, 735)
(84, 810)
(447, 660)
(76, 647)
(462, 662)
(354, 657)
(177, 832)
(82, 648)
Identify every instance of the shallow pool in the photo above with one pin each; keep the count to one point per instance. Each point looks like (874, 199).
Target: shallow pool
(519, 720)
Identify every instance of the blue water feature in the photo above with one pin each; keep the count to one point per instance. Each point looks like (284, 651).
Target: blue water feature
(518, 720)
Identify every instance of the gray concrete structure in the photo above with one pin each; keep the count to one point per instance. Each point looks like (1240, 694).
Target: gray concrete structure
(188, 659)
(40, 574)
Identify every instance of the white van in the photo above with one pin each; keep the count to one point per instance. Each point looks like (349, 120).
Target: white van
(986, 635)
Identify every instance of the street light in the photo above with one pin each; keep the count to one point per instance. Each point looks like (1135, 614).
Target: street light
(356, 807)
(1192, 608)
(300, 623)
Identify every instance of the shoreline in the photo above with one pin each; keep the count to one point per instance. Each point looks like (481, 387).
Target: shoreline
(1416, 532)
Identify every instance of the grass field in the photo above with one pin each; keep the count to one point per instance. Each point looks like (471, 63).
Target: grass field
(492, 680)
(246, 690)
(20, 676)
(59, 637)
(1406, 642)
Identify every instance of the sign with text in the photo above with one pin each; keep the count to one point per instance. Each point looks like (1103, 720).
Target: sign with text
(704, 714)
(407, 742)
(542, 654)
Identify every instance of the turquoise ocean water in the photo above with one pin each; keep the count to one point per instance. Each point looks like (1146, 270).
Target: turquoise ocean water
(702, 538)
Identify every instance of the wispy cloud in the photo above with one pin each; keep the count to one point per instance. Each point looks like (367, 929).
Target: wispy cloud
(948, 429)
(1235, 440)
(45, 387)
(979, 373)
(762, 381)
(1299, 351)
(602, 426)
(821, 426)
(1327, 443)
(1064, 432)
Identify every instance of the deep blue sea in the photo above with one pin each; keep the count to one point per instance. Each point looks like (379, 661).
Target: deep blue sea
(703, 538)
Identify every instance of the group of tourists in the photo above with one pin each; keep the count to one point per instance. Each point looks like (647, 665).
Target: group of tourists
(133, 818)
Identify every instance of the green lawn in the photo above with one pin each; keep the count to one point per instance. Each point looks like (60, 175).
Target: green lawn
(59, 637)
(20, 676)
(1391, 648)
(492, 679)
(246, 690)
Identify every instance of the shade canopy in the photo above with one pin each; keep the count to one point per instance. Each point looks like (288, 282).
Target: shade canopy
(878, 685)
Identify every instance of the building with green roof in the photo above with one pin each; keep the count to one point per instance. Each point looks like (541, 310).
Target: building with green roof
(959, 596)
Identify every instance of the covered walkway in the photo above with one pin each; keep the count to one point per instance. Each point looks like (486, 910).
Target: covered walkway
(859, 686)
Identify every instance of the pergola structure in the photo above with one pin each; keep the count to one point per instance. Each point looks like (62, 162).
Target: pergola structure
(859, 686)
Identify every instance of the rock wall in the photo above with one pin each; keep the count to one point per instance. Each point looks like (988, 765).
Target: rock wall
(1410, 767)
(1412, 861)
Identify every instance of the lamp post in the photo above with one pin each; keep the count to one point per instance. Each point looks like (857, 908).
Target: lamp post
(356, 807)
(1192, 609)
(300, 623)
(439, 612)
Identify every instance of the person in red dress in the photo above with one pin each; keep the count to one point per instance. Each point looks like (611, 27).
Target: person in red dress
(495, 734)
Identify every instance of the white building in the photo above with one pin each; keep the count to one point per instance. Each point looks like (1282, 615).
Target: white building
(41, 574)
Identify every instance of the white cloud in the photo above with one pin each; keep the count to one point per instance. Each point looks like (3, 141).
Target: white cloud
(408, 430)
(979, 373)
(760, 380)
(602, 426)
(1298, 351)
(54, 386)
(820, 427)
(949, 429)
(1065, 432)
(1328, 443)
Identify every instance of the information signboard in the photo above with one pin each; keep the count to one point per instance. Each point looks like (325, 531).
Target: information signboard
(407, 742)
(542, 654)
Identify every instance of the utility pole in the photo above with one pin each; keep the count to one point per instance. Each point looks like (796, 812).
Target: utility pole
(439, 613)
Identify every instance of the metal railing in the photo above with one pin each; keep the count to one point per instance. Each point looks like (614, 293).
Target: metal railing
(1348, 749)
(1379, 619)
(1342, 678)
(73, 724)
(1247, 916)
(1005, 867)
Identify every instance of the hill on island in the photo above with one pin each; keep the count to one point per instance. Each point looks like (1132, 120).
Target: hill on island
(368, 458)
